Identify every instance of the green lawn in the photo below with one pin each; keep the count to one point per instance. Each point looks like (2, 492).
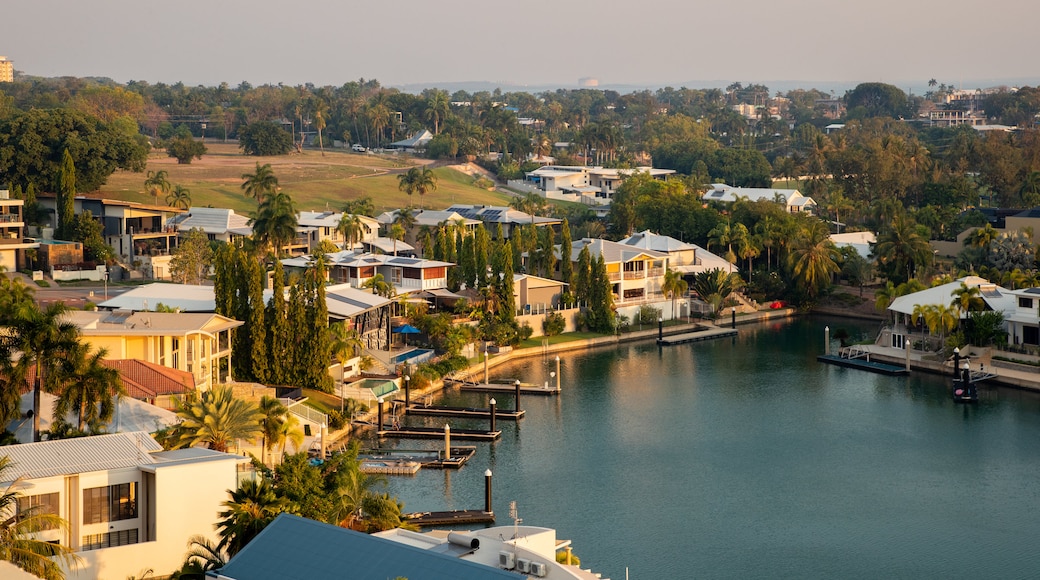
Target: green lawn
(314, 182)
(569, 337)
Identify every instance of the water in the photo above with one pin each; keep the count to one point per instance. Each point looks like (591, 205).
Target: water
(745, 458)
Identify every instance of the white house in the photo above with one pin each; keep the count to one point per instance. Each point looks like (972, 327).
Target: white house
(792, 199)
(404, 273)
(580, 183)
(1023, 323)
(682, 257)
(994, 297)
(130, 505)
(323, 225)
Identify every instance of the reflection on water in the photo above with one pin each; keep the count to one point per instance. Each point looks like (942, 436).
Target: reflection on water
(746, 458)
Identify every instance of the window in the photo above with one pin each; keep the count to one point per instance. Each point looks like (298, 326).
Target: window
(110, 504)
(109, 539)
(395, 276)
(45, 503)
(1025, 302)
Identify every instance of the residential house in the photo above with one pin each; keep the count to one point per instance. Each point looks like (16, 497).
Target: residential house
(295, 547)
(859, 241)
(507, 217)
(993, 297)
(683, 257)
(416, 141)
(1023, 323)
(129, 416)
(129, 505)
(324, 225)
(152, 383)
(219, 224)
(536, 295)
(636, 275)
(591, 185)
(404, 273)
(197, 343)
(13, 242)
(792, 199)
(427, 219)
(136, 231)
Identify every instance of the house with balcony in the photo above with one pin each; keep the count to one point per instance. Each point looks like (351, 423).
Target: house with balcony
(791, 199)
(13, 242)
(687, 258)
(324, 225)
(636, 275)
(590, 185)
(197, 343)
(406, 274)
(494, 216)
(129, 504)
(1023, 323)
(901, 332)
(428, 219)
(219, 224)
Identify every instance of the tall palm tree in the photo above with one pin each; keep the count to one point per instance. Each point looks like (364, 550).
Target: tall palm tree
(674, 286)
(437, 109)
(43, 337)
(18, 529)
(419, 180)
(396, 233)
(261, 183)
(346, 342)
(813, 259)
(320, 109)
(217, 419)
(157, 183)
(89, 387)
(252, 506)
(968, 298)
(179, 197)
(352, 228)
(274, 223)
(941, 319)
(277, 425)
(982, 237)
(901, 250)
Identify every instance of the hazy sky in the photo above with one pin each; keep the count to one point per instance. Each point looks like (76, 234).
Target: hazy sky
(537, 42)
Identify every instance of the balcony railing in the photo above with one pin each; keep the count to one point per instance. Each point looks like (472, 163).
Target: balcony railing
(636, 275)
(613, 276)
(655, 272)
(10, 218)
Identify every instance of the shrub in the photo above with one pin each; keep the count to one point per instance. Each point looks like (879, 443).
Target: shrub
(553, 324)
(647, 315)
(264, 138)
(184, 149)
(43, 283)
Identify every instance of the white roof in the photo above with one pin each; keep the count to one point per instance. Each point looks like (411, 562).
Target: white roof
(995, 297)
(345, 301)
(611, 251)
(651, 241)
(213, 220)
(386, 245)
(860, 241)
(81, 455)
(723, 192)
(131, 416)
(187, 297)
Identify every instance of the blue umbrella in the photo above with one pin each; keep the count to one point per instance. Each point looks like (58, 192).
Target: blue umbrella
(406, 330)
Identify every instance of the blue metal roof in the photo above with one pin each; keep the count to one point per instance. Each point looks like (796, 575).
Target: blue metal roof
(295, 547)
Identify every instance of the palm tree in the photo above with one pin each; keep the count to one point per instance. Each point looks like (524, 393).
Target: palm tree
(203, 556)
(320, 110)
(157, 183)
(261, 183)
(901, 250)
(396, 233)
(674, 286)
(274, 223)
(43, 337)
(417, 180)
(940, 319)
(217, 419)
(277, 425)
(18, 529)
(714, 286)
(352, 228)
(346, 342)
(252, 506)
(437, 110)
(380, 286)
(813, 259)
(982, 237)
(722, 235)
(180, 197)
(89, 387)
(968, 298)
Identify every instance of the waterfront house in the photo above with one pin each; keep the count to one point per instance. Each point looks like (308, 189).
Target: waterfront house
(130, 415)
(425, 219)
(129, 505)
(902, 308)
(791, 199)
(1023, 323)
(197, 343)
(534, 294)
(636, 275)
(683, 257)
(404, 273)
(13, 242)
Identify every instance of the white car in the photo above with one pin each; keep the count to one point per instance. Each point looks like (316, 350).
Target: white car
(357, 147)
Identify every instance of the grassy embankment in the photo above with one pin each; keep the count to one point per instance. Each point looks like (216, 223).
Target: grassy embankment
(313, 181)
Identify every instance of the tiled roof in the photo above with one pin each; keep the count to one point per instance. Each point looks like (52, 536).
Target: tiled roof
(145, 380)
(81, 455)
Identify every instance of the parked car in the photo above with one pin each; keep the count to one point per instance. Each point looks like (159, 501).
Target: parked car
(357, 147)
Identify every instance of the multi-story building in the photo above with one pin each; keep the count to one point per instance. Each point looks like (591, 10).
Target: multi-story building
(635, 274)
(404, 273)
(507, 217)
(6, 70)
(792, 199)
(13, 242)
(324, 225)
(583, 184)
(129, 505)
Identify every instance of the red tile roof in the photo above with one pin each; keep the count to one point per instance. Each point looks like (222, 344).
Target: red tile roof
(145, 380)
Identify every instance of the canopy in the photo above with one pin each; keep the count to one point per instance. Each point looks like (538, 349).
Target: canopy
(407, 329)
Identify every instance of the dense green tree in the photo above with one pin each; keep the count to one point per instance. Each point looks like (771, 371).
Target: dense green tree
(274, 223)
(88, 231)
(263, 138)
(419, 180)
(277, 326)
(901, 250)
(277, 426)
(66, 197)
(251, 507)
(88, 387)
(192, 259)
(179, 198)
(566, 268)
(813, 259)
(157, 183)
(255, 329)
(184, 149)
(216, 419)
(877, 100)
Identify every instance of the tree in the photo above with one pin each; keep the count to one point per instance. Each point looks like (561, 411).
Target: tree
(813, 259)
(877, 100)
(261, 183)
(185, 148)
(274, 223)
(19, 526)
(346, 342)
(320, 109)
(66, 197)
(901, 250)
(379, 286)
(44, 338)
(251, 507)
(217, 419)
(968, 299)
(437, 109)
(262, 138)
(396, 233)
(277, 426)
(88, 231)
(180, 198)
(417, 180)
(714, 286)
(88, 387)
(192, 259)
(673, 287)
(202, 557)
(352, 228)
(566, 267)
(157, 183)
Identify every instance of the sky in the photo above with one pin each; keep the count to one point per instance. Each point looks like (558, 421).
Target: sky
(644, 44)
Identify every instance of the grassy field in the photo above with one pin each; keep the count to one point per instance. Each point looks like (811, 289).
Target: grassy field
(313, 181)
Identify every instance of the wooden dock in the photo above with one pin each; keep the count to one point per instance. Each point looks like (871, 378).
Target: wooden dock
(507, 388)
(421, 458)
(449, 518)
(408, 432)
(465, 412)
(697, 336)
(863, 364)
(389, 466)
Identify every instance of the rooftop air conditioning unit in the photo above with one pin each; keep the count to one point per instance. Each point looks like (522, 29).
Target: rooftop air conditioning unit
(523, 565)
(507, 560)
(539, 569)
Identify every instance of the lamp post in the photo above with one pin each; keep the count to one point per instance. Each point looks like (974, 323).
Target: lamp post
(379, 414)
(487, 492)
(491, 404)
(733, 317)
(486, 364)
(956, 361)
(447, 442)
(826, 340)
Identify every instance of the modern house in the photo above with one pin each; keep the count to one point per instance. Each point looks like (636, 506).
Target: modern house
(405, 274)
(1023, 323)
(13, 242)
(791, 199)
(994, 298)
(636, 275)
(197, 343)
(591, 185)
(429, 219)
(219, 224)
(507, 217)
(683, 257)
(130, 505)
(324, 225)
(536, 295)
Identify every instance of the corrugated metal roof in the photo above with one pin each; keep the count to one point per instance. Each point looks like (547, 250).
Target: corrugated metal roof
(81, 455)
(295, 547)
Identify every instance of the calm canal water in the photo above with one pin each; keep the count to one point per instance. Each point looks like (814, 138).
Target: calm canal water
(745, 458)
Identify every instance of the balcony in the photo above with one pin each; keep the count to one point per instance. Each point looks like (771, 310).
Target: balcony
(10, 218)
(613, 276)
(636, 275)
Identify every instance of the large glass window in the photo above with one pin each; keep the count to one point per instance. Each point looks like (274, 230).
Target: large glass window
(44, 503)
(109, 539)
(110, 504)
